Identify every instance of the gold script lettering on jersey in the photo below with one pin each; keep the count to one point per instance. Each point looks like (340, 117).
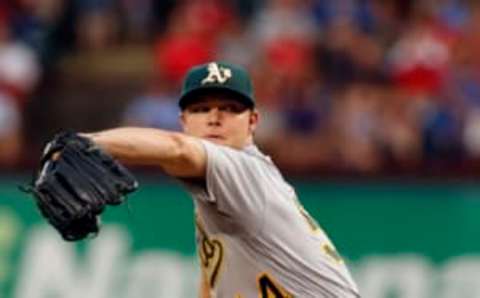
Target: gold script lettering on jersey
(210, 252)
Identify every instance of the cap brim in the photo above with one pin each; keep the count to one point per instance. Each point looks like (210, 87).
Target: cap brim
(193, 95)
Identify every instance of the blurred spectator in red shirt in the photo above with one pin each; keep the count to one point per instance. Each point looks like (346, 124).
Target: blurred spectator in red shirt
(19, 66)
(195, 29)
(418, 60)
(19, 73)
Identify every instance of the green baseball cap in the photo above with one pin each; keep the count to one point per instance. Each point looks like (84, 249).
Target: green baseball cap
(217, 76)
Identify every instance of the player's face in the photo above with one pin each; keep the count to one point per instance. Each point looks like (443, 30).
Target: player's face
(220, 120)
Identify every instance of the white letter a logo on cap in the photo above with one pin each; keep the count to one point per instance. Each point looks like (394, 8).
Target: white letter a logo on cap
(217, 74)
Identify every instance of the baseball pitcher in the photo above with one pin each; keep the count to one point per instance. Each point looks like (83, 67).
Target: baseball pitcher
(254, 238)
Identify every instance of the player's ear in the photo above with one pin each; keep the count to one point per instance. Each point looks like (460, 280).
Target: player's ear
(181, 119)
(253, 120)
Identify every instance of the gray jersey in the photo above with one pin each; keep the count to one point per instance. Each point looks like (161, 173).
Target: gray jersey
(254, 238)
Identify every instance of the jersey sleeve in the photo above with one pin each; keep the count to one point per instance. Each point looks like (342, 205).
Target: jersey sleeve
(236, 182)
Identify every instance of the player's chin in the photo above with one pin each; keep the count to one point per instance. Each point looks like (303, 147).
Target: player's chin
(217, 140)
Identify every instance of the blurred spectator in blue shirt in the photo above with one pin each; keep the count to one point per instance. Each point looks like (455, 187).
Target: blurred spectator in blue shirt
(157, 107)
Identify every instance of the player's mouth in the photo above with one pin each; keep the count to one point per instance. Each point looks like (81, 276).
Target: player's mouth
(214, 137)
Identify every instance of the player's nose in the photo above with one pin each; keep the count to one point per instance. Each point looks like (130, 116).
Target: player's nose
(214, 117)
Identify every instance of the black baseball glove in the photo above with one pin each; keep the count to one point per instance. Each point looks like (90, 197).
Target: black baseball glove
(75, 182)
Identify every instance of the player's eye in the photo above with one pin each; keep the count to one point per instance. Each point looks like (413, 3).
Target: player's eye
(232, 109)
(199, 109)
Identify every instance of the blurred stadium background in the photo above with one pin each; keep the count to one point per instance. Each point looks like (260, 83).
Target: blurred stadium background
(371, 107)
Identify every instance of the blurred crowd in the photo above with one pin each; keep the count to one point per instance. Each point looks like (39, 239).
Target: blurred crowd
(362, 87)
